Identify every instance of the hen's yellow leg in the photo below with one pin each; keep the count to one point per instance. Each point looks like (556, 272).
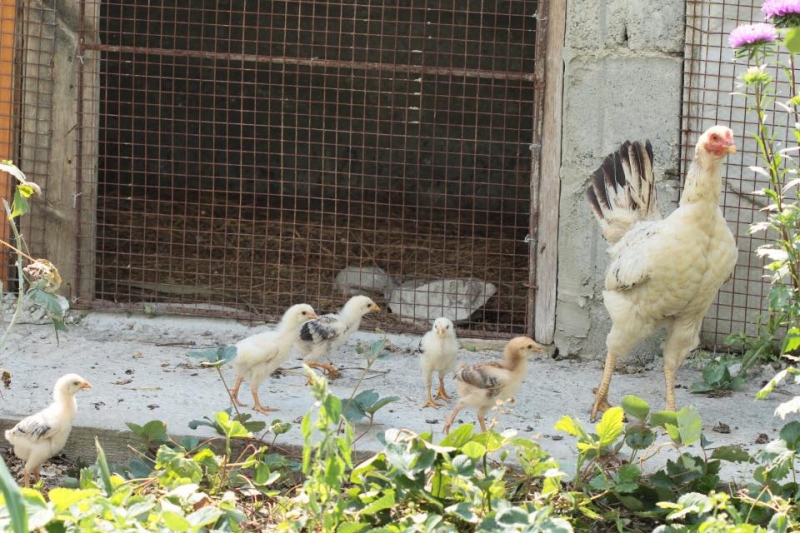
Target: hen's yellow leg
(669, 377)
(601, 396)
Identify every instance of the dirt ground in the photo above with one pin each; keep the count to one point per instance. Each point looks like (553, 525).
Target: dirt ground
(140, 371)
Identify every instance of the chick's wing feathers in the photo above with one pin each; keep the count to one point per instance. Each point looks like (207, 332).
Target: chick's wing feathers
(33, 428)
(488, 376)
(324, 328)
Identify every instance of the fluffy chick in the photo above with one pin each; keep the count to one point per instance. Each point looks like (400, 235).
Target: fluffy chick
(438, 349)
(260, 355)
(39, 437)
(323, 335)
(482, 385)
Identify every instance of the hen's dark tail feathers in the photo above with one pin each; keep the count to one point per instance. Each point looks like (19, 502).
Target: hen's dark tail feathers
(622, 190)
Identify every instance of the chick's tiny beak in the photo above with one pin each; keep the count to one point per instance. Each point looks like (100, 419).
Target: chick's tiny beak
(312, 316)
(440, 330)
(85, 385)
(374, 308)
(731, 148)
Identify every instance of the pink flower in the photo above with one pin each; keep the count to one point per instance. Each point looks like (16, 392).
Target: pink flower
(782, 13)
(750, 34)
(780, 8)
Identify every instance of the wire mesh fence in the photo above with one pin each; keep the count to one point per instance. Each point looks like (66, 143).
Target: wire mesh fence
(27, 41)
(250, 153)
(710, 87)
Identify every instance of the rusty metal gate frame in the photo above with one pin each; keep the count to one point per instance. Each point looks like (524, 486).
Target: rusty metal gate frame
(84, 296)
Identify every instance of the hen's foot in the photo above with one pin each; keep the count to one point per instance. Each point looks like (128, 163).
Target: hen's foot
(263, 409)
(600, 406)
(441, 394)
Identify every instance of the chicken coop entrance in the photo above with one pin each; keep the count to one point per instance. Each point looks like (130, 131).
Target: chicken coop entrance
(262, 154)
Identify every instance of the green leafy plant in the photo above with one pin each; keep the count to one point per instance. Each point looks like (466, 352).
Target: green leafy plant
(40, 276)
(717, 377)
(777, 118)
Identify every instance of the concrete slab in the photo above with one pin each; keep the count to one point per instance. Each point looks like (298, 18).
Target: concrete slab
(140, 372)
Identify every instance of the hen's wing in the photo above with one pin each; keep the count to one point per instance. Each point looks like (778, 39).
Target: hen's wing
(322, 329)
(634, 257)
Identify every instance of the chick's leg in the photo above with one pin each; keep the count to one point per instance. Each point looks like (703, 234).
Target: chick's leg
(426, 377)
(452, 417)
(441, 394)
(329, 370)
(26, 477)
(482, 418)
(235, 393)
(257, 403)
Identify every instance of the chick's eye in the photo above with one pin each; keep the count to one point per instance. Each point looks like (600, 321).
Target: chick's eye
(714, 137)
(447, 326)
(304, 313)
(530, 346)
(76, 382)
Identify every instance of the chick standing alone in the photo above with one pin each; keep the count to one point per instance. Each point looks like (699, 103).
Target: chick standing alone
(260, 355)
(438, 349)
(39, 437)
(482, 385)
(319, 337)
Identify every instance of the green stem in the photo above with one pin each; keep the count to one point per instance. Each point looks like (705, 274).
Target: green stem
(20, 276)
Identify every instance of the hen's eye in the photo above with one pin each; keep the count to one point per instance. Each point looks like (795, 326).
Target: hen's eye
(714, 137)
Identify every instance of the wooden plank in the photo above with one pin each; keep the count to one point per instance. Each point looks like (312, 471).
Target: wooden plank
(67, 101)
(8, 19)
(550, 182)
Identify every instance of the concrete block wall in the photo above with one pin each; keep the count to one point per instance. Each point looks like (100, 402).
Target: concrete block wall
(622, 81)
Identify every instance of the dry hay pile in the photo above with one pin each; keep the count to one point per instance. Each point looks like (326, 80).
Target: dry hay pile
(196, 252)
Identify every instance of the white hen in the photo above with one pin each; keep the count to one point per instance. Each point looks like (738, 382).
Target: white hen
(260, 355)
(39, 437)
(323, 335)
(482, 385)
(663, 273)
(437, 352)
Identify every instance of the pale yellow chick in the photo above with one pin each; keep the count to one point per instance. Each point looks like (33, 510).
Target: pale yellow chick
(437, 353)
(260, 355)
(39, 437)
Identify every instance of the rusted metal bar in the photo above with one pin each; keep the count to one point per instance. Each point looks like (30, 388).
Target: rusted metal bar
(316, 62)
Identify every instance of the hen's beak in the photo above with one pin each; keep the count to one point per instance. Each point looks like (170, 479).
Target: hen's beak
(374, 308)
(731, 148)
(85, 385)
